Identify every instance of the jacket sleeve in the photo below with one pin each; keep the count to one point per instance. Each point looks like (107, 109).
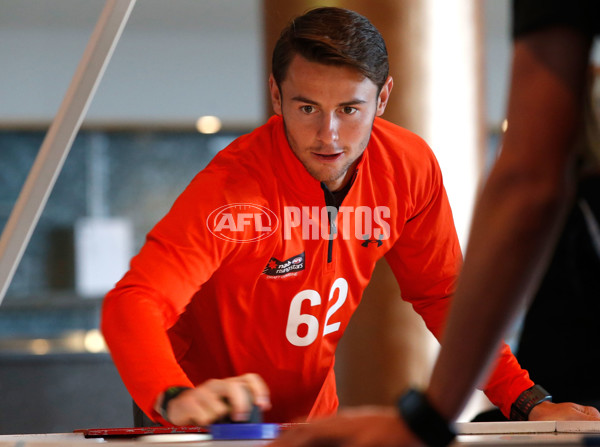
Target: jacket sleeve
(426, 260)
(179, 255)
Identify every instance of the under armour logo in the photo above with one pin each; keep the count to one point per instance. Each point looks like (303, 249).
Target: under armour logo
(368, 241)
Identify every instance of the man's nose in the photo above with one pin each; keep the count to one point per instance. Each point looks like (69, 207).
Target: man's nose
(328, 128)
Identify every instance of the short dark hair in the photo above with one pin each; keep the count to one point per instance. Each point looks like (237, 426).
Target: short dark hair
(332, 36)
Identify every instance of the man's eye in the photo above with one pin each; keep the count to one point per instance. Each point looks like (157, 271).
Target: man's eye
(307, 109)
(349, 110)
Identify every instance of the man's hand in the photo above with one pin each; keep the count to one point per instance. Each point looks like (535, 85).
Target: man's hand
(217, 398)
(358, 427)
(567, 411)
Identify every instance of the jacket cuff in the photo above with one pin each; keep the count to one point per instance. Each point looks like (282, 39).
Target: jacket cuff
(507, 381)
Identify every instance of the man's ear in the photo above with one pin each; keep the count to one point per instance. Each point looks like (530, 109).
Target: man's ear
(384, 95)
(275, 95)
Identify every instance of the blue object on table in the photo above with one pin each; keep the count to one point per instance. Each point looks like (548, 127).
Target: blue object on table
(244, 431)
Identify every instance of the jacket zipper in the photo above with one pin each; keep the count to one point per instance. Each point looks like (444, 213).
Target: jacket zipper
(330, 203)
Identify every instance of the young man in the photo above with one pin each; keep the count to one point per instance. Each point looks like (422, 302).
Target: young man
(249, 281)
(515, 227)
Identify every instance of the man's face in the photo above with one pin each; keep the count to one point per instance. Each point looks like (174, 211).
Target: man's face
(328, 112)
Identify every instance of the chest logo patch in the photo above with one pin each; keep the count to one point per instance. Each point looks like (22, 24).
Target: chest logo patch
(290, 266)
(367, 240)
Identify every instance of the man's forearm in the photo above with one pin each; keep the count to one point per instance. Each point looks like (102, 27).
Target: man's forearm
(519, 213)
(502, 267)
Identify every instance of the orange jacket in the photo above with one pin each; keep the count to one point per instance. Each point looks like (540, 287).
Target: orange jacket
(246, 273)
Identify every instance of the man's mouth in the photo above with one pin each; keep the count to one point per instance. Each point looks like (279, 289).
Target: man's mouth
(328, 157)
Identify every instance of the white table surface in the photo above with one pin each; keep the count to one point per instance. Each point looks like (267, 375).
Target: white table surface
(471, 434)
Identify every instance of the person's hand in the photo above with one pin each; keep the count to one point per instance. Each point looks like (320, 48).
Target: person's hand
(566, 411)
(217, 398)
(358, 427)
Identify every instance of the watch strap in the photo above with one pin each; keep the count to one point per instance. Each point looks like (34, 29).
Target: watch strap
(520, 409)
(424, 420)
(170, 394)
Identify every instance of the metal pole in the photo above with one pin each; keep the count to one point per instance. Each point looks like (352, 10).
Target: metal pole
(60, 136)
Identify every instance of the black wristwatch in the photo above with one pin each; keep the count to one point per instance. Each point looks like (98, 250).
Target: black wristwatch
(169, 394)
(423, 420)
(520, 409)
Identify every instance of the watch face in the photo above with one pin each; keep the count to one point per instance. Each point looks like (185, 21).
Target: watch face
(537, 393)
(174, 391)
